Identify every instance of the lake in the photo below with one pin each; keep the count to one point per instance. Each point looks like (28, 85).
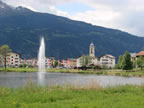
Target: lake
(20, 79)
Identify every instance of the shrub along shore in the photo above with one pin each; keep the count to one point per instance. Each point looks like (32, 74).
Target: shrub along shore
(113, 72)
(72, 97)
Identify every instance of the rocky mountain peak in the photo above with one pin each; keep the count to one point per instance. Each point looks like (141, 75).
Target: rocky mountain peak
(6, 10)
(23, 9)
(4, 5)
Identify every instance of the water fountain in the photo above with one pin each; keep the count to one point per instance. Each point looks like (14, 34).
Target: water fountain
(41, 62)
(41, 56)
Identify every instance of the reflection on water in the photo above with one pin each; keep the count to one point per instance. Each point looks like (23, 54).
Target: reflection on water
(41, 78)
(19, 79)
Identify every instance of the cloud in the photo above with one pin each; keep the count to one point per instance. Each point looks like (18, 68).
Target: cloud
(98, 17)
(126, 15)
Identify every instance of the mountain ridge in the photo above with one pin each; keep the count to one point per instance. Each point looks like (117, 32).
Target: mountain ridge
(22, 28)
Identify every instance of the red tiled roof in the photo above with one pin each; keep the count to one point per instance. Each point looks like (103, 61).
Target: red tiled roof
(140, 53)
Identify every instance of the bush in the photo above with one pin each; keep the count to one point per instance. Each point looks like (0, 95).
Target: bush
(23, 65)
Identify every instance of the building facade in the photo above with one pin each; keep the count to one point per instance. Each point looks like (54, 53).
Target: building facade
(133, 56)
(29, 62)
(13, 60)
(49, 62)
(72, 63)
(107, 60)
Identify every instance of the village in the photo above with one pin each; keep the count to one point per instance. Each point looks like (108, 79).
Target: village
(15, 60)
(89, 61)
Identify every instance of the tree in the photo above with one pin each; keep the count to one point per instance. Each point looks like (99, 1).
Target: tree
(1, 61)
(56, 63)
(140, 62)
(23, 65)
(135, 64)
(85, 60)
(126, 62)
(4, 52)
(119, 65)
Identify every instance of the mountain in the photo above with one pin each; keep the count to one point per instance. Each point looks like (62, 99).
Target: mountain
(22, 28)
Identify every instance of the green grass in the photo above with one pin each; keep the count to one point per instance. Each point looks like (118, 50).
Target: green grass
(18, 70)
(115, 72)
(72, 97)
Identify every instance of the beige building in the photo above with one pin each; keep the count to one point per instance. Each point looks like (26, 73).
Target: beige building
(13, 59)
(107, 60)
(72, 63)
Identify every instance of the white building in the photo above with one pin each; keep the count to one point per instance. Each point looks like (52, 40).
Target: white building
(64, 63)
(49, 62)
(29, 62)
(133, 56)
(107, 60)
(79, 62)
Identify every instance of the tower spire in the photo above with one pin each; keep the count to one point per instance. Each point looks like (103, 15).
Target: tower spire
(92, 50)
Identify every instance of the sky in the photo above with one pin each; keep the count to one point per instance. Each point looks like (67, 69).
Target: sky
(125, 15)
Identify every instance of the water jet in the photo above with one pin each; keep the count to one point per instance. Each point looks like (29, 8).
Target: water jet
(41, 62)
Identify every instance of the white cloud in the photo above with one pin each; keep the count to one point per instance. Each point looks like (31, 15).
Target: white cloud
(98, 17)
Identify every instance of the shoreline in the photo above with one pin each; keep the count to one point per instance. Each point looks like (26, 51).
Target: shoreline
(114, 72)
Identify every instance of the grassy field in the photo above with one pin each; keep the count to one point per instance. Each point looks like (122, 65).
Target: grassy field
(114, 72)
(72, 97)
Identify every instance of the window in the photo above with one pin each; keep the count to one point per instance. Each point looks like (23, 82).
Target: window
(91, 50)
(105, 63)
(104, 59)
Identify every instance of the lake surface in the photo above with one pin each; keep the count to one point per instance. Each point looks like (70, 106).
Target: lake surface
(20, 79)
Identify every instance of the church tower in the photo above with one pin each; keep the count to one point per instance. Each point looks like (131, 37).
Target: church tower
(92, 50)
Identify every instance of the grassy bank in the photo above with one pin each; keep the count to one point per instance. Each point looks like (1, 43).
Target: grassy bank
(114, 72)
(18, 70)
(72, 97)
